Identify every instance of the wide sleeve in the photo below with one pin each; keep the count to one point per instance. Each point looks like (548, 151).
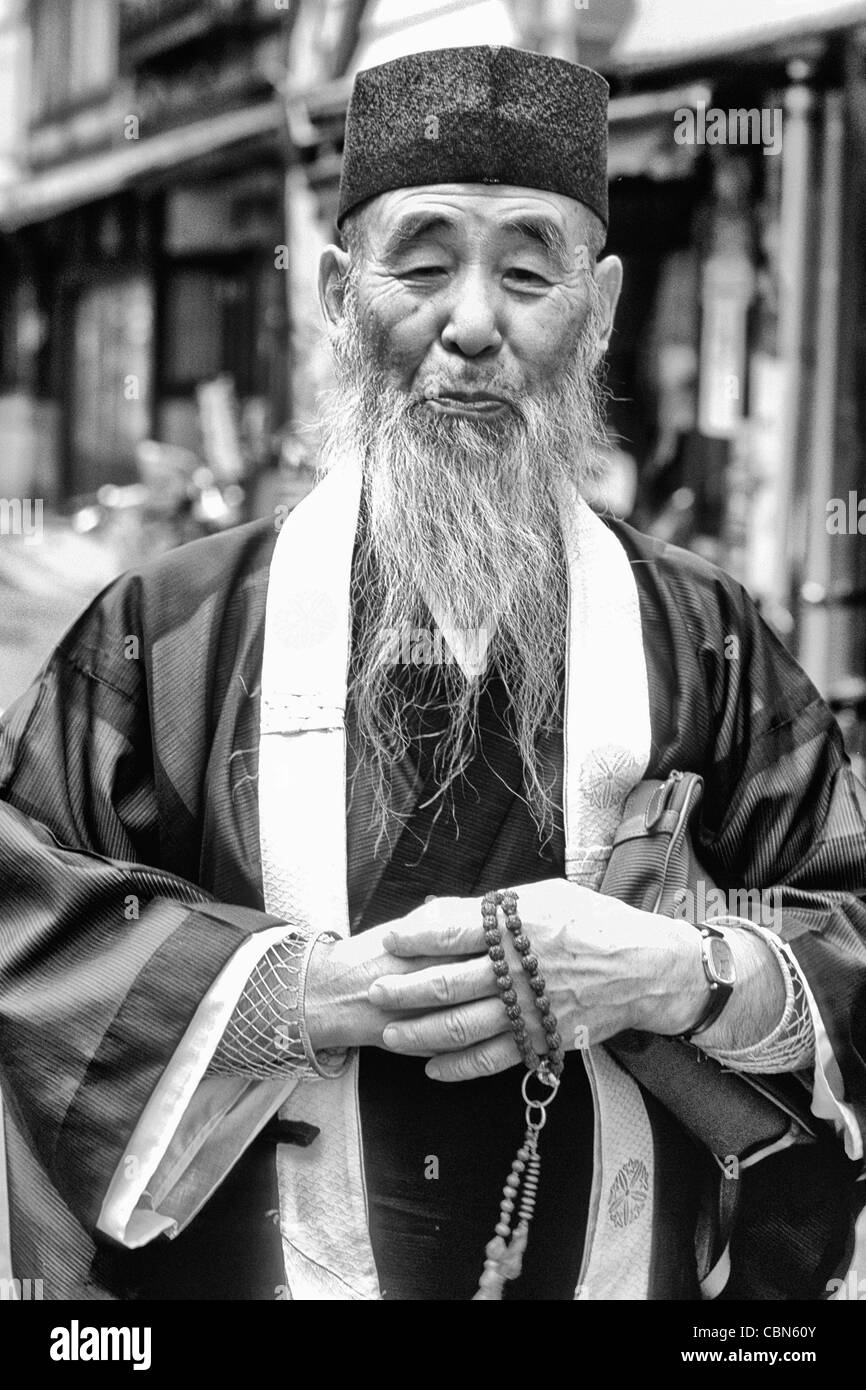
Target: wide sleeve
(784, 821)
(117, 976)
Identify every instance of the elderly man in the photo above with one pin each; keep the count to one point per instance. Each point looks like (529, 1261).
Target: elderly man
(255, 993)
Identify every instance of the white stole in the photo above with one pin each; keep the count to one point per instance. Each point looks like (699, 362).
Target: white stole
(302, 812)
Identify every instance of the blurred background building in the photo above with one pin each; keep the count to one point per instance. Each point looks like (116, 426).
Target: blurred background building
(169, 171)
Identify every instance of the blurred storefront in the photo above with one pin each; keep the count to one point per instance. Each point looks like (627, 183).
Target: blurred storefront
(164, 197)
(739, 351)
(139, 254)
(145, 326)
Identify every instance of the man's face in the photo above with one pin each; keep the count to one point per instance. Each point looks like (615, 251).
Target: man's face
(471, 298)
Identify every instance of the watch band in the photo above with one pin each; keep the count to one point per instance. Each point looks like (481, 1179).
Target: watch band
(720, 989)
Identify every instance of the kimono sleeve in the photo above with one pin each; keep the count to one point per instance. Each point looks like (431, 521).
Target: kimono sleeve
(784, 817)
(117, 977)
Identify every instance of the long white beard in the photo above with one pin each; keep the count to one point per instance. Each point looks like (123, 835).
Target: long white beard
(461, 517)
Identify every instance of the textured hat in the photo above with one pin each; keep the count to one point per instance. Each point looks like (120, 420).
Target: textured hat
(477, 115)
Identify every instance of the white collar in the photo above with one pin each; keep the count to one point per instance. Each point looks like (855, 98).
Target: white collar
(304, 863)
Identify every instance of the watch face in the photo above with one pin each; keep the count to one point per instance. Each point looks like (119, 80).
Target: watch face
(721, 960)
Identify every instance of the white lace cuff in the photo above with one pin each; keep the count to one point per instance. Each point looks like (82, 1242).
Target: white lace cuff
(266, 1035)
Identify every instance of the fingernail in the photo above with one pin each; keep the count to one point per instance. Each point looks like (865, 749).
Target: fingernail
(376, 993)
(389, 941)
(391, 1037)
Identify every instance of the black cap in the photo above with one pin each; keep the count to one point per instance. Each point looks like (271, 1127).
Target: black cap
(477, 115)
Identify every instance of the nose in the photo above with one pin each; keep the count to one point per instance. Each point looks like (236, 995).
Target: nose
(472, 327)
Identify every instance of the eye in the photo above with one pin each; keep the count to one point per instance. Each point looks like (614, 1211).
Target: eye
(424, 272)
(525, 277)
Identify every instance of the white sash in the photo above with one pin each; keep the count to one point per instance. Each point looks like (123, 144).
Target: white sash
(302, 810)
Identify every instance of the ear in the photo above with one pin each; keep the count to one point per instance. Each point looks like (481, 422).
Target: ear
(333, 267)
(608, 277)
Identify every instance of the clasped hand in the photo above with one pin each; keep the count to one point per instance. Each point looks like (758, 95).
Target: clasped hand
(424, 985)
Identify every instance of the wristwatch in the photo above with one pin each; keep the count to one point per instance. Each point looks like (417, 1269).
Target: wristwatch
(721, 976)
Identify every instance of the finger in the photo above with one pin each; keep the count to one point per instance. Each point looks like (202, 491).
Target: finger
(443, 927)
(449, 1030)
(436, 988)
(485, 1059)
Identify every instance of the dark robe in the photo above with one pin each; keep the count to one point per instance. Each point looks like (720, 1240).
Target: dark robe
(128, 771)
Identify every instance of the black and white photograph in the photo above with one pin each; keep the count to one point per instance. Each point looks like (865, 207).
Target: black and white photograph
(432, 666)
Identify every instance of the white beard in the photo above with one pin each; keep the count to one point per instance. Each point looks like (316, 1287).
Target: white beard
(461, 517)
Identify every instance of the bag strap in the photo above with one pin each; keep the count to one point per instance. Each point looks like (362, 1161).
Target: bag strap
(719, 1108)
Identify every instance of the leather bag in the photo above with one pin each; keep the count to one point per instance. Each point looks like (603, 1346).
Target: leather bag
(779, 1207)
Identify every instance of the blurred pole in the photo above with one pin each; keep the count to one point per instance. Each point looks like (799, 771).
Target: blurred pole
(794, 238)
(302, 72)
(289, 178)
(816, 620)
(289, 175)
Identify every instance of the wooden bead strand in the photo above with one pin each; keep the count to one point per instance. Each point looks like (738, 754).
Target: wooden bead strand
(504, 1253)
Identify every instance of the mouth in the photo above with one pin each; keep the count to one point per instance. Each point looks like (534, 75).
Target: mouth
(468, 403)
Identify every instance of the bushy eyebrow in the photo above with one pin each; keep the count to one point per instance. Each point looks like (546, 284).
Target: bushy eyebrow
(412, 228)
(540, 230)
(543, 232)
